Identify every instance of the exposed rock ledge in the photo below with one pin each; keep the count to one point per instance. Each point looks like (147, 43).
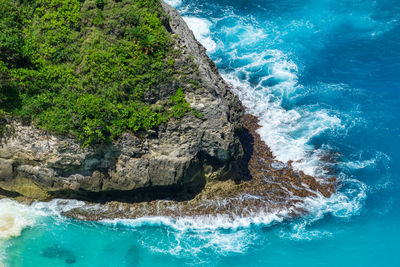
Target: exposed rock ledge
(275, 188)
(181, 154)
(191, 167)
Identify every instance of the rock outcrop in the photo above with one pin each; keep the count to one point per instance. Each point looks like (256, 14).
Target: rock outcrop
(275, 189)
(182, 153)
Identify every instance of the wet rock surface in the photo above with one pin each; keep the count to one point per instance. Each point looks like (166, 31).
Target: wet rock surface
(214, 165)
(272, 187)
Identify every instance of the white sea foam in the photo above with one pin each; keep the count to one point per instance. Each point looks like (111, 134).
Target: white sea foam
(204, 223)
(174, 3)
(378, 158)
(194, 243)
(201, 30)
(344, 204)
(14, 218)
(267, 83)
(222, 230)
(56, 207)
(286, 132)
(223, 234)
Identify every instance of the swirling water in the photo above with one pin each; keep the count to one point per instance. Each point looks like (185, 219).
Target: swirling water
(324, 77)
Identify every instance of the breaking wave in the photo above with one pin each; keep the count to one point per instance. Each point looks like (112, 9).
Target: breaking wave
(262, 59)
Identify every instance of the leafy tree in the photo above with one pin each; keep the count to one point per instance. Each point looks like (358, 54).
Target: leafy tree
(92, 68)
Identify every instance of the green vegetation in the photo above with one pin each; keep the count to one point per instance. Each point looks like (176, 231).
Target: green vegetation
(93, 68)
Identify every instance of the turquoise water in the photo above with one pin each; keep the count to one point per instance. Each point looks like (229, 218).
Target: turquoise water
(323, 76)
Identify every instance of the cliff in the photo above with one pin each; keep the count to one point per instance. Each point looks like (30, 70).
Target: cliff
(180, 155)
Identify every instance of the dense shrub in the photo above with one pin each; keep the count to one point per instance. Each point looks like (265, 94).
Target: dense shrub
(88, 67)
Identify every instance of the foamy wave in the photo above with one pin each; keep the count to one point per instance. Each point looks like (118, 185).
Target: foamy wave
(193, 244)
(201, 30)
(14, 218)
(265, 85)
(204, 223)
(56, 207)
(344, 204)
(266, 81)
(174, 3)
(222, 234)
(286, 132)
(378, 158)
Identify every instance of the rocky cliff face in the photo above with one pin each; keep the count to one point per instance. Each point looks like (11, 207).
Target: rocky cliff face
(183, 153)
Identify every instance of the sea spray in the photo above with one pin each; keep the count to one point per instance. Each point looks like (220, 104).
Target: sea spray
(268, 78)
(344, 229)
(174, 3)
(267, 82)
(14, 218)
(201, 30)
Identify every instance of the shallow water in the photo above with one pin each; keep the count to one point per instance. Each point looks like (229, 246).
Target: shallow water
(323, 76)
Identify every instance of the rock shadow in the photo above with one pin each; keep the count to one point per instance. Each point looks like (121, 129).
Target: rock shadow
(7, 193)
(247, 141)
(178, 193)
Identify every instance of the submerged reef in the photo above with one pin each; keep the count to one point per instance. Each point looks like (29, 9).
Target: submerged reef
(56, 251)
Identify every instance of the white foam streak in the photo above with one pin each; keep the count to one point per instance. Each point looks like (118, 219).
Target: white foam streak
(14, 218)
(267, 82)
(344, 204)
(174, 3)
(221, 233)
(286, 132)
(56, 207)
(204, 223)
(379, 158)
(201, 30)
(264, 81)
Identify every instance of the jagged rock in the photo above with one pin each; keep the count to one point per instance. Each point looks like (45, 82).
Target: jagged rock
(6, 169)
(188, 151)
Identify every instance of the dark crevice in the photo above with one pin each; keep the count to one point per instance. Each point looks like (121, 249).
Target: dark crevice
(247, 141)
(7, 193)
(175, 192)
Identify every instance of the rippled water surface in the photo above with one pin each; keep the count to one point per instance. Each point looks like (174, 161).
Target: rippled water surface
(324, 77)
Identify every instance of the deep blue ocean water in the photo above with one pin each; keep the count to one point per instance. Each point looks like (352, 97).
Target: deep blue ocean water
(323, 76)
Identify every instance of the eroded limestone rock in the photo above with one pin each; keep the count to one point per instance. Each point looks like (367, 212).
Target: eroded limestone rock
(181, 152)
